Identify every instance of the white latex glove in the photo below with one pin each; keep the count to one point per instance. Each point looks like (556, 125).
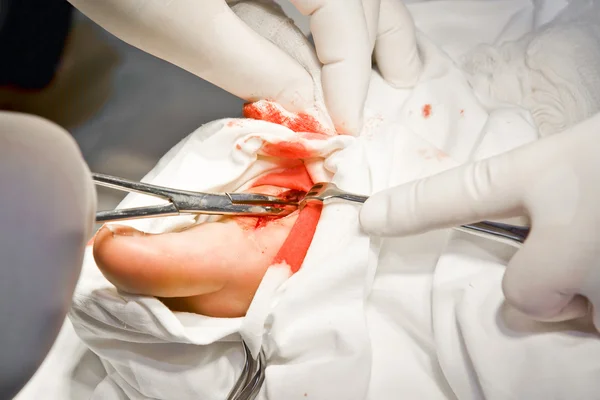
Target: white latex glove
(207, 39)
(48, 202)
(555, 182)
(345, 33)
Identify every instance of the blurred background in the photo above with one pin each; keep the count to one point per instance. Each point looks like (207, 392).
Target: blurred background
(125, 108)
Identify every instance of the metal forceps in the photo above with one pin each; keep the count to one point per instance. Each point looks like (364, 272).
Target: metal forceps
(510, 234)
(186, 202)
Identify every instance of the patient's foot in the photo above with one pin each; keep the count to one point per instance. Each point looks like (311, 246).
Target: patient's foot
(213, 268)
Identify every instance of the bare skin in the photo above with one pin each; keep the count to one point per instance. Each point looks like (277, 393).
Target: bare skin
(212, 269)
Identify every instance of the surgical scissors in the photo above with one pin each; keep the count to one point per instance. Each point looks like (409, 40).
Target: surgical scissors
(187, 202)
(255, 204)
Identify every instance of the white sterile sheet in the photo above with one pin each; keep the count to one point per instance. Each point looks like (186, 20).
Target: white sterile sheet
(365, 318)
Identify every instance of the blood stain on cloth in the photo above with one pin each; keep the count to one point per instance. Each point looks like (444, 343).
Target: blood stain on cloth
(293, 150)
(426, 111)
(296, 245)
(235, 123)
(266, 111)
(432, 154)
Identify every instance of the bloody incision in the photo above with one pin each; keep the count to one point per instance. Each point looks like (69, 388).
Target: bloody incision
(292, 196)
(296, 178)
(296, 245)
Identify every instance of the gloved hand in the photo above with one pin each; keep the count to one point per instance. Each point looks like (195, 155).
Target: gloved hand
(206, 38)
(555, 182)
(47, 215)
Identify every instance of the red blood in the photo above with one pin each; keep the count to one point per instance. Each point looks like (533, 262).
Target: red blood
(292, 195)
(289, 195)
(261, 222)
(234, 122)
(296, 178)
(296, 245)
(293, 150)
(426, 110)
(266, 111)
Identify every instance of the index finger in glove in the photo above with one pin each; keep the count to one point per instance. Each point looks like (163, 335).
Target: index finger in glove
(396, 48)
(487, 189)
(465, 194)
(342, 42)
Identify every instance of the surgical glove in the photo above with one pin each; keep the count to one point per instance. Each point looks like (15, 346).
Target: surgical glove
(555, 182)
(345, 34)
(47, 215)
(208, 39)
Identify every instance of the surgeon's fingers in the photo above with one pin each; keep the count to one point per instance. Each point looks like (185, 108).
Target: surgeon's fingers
(207, 39)
(543, 281)
(396, 50)
(342, 42)
(371, 9)
(487, 189)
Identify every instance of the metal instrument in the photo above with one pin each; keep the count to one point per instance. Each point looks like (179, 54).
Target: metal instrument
(259, 205)
(251, 379)
(186, 202)
(493, 230)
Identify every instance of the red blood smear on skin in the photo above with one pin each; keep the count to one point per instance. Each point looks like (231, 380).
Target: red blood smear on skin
(265, 111)
(261, 222)
(426, 110)
(296, 245)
